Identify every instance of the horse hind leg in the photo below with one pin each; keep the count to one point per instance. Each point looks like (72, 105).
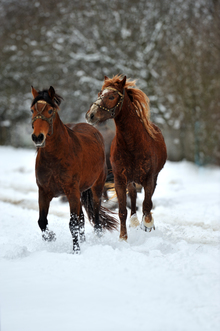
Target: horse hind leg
(134, 222)
(97, 194)
(82, 237)
(44, 202)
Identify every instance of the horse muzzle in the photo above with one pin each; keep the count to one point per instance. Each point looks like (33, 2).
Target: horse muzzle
(39, 140)
(90, 117)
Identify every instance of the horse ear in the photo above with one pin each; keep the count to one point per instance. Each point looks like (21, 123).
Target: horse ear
(123, 81)
(51, 92)
(106, 78)
(34, 92)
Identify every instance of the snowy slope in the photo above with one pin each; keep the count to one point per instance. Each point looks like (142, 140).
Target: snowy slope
(166, 280)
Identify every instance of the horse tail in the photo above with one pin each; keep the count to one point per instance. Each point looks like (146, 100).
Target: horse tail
(106, 218)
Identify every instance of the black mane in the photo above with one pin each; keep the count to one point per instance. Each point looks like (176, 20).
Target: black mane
(44, 95)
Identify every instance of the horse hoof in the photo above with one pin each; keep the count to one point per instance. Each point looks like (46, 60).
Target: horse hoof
(147, 223)
(134, 222)
(147, 229)
(98, 232)
(82, 238)
(123, 238)
(49, 236)
(76, 250)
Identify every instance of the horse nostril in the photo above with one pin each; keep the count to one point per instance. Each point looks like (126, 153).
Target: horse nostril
(33, 137)
(40, 137)
(37, 139)
(91, 116)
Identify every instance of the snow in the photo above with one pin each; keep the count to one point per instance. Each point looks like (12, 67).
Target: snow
(168, 279)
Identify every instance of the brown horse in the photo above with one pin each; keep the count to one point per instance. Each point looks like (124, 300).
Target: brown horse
(138, 151)
(69, 162)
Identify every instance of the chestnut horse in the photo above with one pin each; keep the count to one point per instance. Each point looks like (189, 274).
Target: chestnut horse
(138, 151)
(69, 162)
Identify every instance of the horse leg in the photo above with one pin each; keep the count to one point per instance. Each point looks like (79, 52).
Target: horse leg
(133, 196)
(148, 221)
(120, 187)
(44, 202)
(75, 214)
(105, 193)
(82, 236)
(97, 194)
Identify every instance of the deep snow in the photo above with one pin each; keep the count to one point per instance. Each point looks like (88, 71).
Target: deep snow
(168, 279)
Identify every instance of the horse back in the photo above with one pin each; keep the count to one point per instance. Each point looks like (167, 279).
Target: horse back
(89, 133)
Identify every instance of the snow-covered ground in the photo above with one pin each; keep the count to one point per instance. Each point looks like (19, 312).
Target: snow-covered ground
(166, 280)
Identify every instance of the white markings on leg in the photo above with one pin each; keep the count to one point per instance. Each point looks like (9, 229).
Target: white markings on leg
(134, 222)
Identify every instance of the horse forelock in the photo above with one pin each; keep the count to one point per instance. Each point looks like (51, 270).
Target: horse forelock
(137, 97)
(44, 95)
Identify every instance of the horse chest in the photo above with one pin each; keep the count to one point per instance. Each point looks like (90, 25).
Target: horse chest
(50, 181)
(133, 165)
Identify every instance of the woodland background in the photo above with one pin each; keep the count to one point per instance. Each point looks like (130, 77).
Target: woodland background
(172, 48)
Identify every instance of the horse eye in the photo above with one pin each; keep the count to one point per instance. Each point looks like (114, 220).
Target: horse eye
(50, 111)
(111, 97)
(32, 111)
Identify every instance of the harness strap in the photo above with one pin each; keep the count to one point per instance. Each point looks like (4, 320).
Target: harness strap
(112, 110)
(42, 117)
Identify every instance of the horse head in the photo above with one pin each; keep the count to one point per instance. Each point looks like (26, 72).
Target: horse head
(109, 102)
(44, 108)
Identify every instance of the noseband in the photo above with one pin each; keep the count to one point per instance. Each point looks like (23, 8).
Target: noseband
(44, 118)
(112, 110)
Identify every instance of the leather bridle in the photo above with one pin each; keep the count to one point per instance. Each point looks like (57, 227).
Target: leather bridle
(111, 110)
(42, 117)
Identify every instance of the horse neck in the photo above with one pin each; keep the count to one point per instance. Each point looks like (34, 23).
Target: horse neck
(127, 122)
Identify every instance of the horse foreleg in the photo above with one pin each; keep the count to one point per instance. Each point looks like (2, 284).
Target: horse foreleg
(74, 229)
(133, 196)
(120, 188)
(148, 221)
(44, 202)
(75, 217)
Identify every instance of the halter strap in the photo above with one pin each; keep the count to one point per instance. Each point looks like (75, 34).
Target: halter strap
(112, 110)
(42, 117)
(114, 89)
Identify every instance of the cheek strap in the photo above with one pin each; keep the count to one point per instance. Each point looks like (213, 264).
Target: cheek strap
(112, 110)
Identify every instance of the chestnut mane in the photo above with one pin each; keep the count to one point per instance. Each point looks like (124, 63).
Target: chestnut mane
(138, 99)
